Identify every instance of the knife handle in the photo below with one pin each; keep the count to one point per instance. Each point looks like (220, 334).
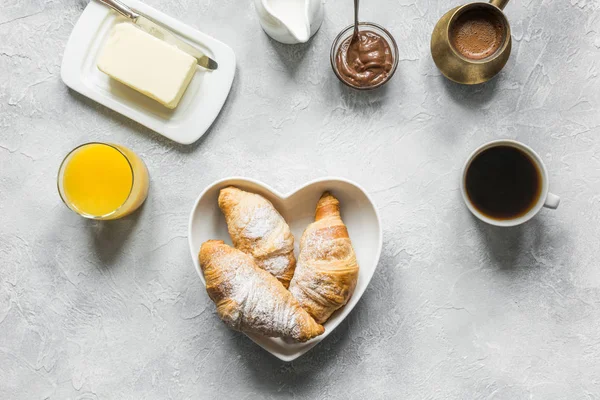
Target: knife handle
(121, 9)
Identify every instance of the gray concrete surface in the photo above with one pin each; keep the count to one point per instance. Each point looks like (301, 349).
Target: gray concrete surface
(456, 309)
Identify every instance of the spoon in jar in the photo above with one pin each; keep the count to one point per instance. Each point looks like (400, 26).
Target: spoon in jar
(355, 34)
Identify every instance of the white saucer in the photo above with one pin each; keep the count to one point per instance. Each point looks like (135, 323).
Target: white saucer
(201, 102)
(298, 208)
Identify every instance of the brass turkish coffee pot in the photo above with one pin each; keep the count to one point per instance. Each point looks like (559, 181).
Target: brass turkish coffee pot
(455, 66)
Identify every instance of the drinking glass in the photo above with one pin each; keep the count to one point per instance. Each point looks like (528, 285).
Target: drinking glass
(102, 181)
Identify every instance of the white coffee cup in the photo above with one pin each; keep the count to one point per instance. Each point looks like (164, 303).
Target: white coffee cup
(545, 199)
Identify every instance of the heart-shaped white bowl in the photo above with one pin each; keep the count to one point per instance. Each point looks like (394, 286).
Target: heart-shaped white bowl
(298, 208)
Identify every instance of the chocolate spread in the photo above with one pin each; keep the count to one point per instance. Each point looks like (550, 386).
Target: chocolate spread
(365, 62)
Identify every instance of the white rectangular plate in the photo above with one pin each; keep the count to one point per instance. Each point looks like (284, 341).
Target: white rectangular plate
(201, 102)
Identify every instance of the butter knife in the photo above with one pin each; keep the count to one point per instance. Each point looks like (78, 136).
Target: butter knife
(161, 33)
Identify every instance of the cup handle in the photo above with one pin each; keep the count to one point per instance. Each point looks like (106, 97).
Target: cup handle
(552, 201)
(499, 3)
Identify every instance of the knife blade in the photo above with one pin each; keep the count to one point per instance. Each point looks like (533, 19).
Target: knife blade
(154, 29)
(165, 35)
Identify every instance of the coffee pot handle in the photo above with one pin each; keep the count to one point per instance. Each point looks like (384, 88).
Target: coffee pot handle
(499, 3)
(552, 201)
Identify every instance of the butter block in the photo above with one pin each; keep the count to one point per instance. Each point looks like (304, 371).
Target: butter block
(147, 64)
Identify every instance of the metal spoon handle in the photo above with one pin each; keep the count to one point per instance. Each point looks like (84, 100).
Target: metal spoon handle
(121, 9)
(355, 18)
(498, 3)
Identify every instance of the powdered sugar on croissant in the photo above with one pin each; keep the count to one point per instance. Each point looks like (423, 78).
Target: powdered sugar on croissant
(327, 269)
(250, 299)
(256, 228)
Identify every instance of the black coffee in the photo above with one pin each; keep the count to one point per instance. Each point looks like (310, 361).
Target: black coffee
(503, 182)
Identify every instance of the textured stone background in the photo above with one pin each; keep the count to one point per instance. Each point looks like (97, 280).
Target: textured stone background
(456, 309)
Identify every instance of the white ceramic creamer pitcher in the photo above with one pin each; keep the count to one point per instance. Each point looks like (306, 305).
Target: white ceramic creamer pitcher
(290, 21)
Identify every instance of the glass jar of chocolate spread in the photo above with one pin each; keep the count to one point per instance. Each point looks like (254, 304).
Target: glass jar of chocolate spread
(366, 63)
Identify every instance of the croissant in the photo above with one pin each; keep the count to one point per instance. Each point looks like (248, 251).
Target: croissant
(256, 228)
(327, 269)
(251, 300)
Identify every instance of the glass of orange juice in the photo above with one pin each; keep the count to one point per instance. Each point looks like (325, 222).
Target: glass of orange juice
(103, 181)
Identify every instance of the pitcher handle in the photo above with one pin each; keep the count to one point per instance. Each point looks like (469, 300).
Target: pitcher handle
(499, 3)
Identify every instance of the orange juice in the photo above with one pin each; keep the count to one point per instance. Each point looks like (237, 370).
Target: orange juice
(103, 181)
